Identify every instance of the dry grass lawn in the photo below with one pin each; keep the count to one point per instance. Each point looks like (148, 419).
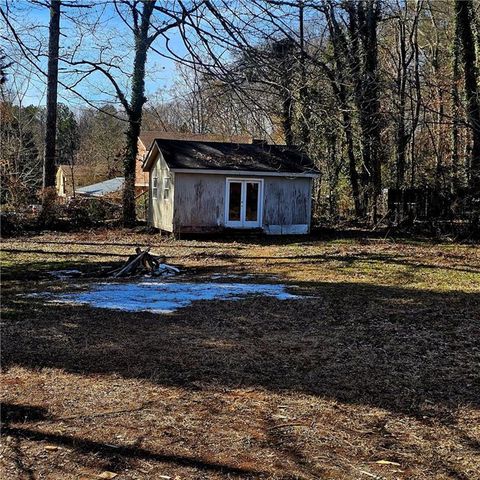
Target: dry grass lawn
(374, 374)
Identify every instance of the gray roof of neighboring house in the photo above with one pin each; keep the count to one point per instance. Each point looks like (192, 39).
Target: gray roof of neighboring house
(102, 188)
(256, 156)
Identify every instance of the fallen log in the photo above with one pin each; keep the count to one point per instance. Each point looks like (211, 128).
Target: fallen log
(132, 264)
(144, 262)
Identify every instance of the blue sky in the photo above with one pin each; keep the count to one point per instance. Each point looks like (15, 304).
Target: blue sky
(32, 23)
(110, 31)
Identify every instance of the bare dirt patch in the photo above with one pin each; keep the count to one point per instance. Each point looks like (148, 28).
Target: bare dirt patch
(374, 372)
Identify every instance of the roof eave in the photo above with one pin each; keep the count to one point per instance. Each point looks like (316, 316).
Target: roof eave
(149, 159)
(264, 173)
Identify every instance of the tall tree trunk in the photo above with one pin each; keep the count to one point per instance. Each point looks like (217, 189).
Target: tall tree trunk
(135, 113)
(464, 17)
(363, 21)
(415, 99)
(52, 86)
(373, 101)
(339, 81)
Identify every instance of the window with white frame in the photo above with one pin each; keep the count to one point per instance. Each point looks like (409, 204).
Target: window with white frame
(166, 187)
(155, 187)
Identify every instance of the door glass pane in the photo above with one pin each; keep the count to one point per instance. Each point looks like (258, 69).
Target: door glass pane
(251, 211)
(235, 201)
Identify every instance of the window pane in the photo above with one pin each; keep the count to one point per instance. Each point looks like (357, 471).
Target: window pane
(235, 201)
(251, 211)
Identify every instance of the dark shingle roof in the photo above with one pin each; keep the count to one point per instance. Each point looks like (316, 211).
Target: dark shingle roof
(256, 156)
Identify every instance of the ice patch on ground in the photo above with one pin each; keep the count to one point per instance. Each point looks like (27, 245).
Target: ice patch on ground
(217, 276)
(245, 276)
(64, 274)
(166, 297)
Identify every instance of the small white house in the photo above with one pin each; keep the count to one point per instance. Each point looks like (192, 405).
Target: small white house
(200, 186)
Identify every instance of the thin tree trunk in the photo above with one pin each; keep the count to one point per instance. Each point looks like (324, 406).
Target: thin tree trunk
(455, 98)
(287, 121)
(439, 150)
(305, 119)
(52, 85)
(334, 171)
(352, 162)
(401, 137)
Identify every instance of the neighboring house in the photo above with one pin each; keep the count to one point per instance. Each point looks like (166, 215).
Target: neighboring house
(69, 179)
(200, 186)
(102, 189)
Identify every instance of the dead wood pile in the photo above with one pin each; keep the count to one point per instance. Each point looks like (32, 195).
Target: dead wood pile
(144, 262)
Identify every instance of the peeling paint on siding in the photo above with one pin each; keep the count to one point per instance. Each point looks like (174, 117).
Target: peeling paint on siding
(197, 202)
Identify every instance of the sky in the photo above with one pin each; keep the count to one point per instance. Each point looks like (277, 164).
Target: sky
(31, 21)
(101, 25)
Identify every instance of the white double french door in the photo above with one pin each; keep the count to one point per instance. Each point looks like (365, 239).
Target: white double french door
(244, 201)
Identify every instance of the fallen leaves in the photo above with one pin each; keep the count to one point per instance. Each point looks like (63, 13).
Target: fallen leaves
(387, 462)
(52, 448)
(361, 376)
(107, 475)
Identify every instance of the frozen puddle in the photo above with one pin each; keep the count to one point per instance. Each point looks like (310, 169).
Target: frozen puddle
(65, 274)
(166, 297)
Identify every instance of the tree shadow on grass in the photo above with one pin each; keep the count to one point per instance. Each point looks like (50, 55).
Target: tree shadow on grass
(394, 259)
(395, 348)
(368, 257)
(45, 269)
(119, 456)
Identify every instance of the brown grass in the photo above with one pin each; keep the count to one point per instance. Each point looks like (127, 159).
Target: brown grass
(380, 362)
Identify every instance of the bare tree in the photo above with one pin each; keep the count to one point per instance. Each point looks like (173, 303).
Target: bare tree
(465, 21)
(20, 161)
(140, 18)
(52, 89)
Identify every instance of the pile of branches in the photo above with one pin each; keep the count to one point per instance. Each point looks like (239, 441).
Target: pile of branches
(144, 262)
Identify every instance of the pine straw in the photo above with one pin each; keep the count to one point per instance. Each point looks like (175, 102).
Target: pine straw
(374, 374)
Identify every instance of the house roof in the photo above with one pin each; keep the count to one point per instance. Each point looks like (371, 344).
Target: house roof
(251, 157)
(103, 188)
(147, 137)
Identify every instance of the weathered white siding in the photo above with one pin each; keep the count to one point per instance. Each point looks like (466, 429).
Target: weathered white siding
(196, 202)
(287, 206)
(199, 202)
(161, 209)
